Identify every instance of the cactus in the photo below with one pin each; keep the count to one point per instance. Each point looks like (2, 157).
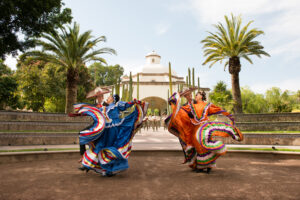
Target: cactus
(112, 89)
(170, 78)
(168, 107)
(138, 87)
(187, 81)
(130, 88)
(123, 92)
(189, 71)
(182, 99)
(118, 87)
(193, 80)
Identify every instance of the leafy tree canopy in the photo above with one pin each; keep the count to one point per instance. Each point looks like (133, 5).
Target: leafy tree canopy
(279, 101)
(28, 18)
(221, 96)
(42, 85)
(253, 103)
(105, 75)
(8, 87)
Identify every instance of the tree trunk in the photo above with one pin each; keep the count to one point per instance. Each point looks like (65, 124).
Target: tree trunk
(71, 90)
(234, 70)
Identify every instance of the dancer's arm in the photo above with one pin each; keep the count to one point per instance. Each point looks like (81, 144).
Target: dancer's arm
(122, 105)
(214, 110)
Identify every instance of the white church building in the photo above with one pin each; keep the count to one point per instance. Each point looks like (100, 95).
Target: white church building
(154, 82)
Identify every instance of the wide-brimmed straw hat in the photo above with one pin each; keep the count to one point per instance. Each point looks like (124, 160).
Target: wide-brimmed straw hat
(189, 90)
(97, 91)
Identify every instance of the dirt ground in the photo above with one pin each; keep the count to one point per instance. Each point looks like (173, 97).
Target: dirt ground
(153, 177)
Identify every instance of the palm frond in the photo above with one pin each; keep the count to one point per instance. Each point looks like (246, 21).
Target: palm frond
(232, 41)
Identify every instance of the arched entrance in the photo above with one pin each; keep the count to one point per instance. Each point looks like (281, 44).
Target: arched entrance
(157, 102)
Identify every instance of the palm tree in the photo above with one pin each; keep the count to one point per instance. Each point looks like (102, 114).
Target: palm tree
(234, 43)
(71, 50)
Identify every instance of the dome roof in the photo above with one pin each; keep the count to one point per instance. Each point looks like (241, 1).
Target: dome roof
(153, 65)
(153, 53)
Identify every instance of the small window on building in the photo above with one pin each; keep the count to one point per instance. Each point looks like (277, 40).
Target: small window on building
(152, 80)
(153, 60)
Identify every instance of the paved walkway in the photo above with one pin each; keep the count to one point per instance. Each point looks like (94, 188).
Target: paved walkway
(149, 140)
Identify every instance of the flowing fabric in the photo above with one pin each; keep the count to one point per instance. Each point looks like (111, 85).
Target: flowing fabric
(196, 133)
(110, 137)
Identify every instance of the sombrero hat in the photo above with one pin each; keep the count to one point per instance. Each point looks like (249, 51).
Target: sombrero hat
(185, 92)
(96, 92)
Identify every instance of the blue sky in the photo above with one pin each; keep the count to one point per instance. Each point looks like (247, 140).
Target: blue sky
(174, 29)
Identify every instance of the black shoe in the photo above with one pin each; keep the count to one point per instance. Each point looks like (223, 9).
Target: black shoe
(110, 175)
(84, 169)
(199, 170)
(208, 170)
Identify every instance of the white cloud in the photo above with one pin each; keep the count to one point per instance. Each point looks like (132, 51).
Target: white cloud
(278, 19)
(162, 28)
(289, 84)
(212, 11)
(290, 49)
(133, 66)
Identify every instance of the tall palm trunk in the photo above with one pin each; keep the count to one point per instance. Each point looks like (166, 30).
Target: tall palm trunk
(234, 70)
(71, 90)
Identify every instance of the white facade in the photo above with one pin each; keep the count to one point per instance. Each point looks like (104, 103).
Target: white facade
(154, 79)
(154, 82)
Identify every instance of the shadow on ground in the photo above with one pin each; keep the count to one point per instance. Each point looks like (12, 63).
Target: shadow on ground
(154, 177)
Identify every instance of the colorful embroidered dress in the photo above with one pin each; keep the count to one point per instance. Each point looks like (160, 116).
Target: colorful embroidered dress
(196, 133)
(110, 137)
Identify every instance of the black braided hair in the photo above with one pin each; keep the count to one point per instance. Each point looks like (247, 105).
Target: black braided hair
(116, 98)
(203, 95)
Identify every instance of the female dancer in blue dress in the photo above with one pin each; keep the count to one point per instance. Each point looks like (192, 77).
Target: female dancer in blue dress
(110, 137)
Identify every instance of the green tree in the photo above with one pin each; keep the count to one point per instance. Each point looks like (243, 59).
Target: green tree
(279, 101)
(32, 85)
(221, 96)
(53, 79)
(8, 87)
(296, 97)
(253, 103)
(231, 44)
(31, 18)
(42, 85)
(105, 75)
(71, 50)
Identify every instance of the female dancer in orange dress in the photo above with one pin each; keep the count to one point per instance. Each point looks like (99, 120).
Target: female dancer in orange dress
(190, 123)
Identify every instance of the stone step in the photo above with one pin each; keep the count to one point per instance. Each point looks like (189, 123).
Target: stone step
(268, 126)
(41, 126)
(35, 116)
(266, 117)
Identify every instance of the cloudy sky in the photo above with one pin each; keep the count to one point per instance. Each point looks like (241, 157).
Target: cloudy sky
(174, 29)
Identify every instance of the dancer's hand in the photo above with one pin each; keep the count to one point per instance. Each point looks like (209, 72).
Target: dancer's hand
(73, 114)
(136, 101)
